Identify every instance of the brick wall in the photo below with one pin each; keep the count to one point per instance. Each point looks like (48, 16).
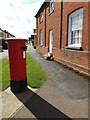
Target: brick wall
(78, 60)
(89, 35)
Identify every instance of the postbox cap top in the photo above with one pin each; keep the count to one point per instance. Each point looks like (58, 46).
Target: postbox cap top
(15, 39)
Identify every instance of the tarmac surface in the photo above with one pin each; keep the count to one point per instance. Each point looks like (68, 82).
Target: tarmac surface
(69, 82)
(64, 95)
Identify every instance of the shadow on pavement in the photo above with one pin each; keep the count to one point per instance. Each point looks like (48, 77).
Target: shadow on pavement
(38, 106)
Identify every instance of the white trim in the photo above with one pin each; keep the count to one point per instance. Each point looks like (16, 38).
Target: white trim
(41, 37)
(75, 45)
(72, 15)
(41, 17)
(51, 8)
(77, 12)
(50, 41)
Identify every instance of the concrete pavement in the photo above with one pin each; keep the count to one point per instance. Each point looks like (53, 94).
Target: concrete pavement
(66, 94)
(10, 103)
(4, 54)
(49, 102)
(0, 105)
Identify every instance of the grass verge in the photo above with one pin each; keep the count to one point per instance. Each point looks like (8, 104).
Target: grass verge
(5, 76)
(36, 76)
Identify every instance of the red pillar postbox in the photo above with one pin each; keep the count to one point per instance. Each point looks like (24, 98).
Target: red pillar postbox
(17, 64)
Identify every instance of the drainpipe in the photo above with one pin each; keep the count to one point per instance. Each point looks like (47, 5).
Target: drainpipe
(36, 31)
(45, 25)
(61, 24)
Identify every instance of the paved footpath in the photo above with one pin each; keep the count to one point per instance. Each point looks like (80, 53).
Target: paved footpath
(63, 96)
(4, 54)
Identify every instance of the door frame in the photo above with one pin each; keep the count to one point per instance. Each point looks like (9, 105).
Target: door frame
(50, 42)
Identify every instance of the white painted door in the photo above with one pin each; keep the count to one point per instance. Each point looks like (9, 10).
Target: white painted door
(50, 41)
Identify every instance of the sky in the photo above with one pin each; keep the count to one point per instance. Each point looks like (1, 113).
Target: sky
(17, 16)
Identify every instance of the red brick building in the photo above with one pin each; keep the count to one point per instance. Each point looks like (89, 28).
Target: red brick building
(63, 30)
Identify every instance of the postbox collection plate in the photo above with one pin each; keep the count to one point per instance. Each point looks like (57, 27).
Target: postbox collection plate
(24, 54)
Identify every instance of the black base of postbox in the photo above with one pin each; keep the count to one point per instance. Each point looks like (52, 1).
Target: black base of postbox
(18, 86)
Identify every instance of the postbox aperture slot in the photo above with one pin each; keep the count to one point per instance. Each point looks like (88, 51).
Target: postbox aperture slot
(25, 47)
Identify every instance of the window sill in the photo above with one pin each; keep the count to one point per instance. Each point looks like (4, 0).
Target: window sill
(73, 48)
(54, 48)
(40, 45)
(46, 47)
(40, 22)
(51, 12)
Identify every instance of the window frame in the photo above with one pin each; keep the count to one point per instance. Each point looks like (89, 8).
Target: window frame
(75, 13)
(1, 34)
(51, 7)
(41, 37)
(41, 17)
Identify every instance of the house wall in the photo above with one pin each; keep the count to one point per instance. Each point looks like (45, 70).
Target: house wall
(76, 59)
(89, 35)
(2, 37)
(41, 49)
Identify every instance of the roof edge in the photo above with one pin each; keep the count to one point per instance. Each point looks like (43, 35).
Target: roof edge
(40, 8)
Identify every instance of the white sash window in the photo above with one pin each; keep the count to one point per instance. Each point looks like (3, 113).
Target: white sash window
(75, 28)
(41, 37)
(51, 5)
(41, 17)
